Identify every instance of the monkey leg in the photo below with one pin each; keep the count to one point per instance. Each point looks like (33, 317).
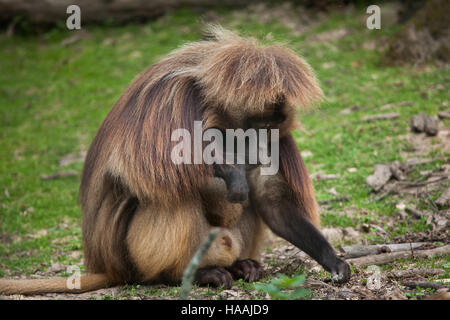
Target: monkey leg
(248, 232)
(272, 200)
(161, 242)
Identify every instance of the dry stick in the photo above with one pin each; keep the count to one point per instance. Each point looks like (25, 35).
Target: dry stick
(340, 199)
(409, 184)
(444, 114)
(384, 195)
(365, 250)
(444, 198)
(425, 285)
(385, 116)
(416, 213)
(315, 284)
(189, 273)
(433, 205)
(62, 174)
(385, 258)
(408, 273)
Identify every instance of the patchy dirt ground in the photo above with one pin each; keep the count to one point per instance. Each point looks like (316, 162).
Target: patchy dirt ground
(385, 282)
(282, 257)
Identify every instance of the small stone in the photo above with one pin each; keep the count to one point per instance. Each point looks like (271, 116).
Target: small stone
(380, 177)
(418, 122)
(444, 114)
(444, 199)
(431, 126)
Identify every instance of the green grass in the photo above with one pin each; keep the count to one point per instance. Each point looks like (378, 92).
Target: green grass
(53, 98)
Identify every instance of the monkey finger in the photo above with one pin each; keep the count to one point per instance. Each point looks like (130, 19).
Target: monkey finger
(248, 269)
(214, 276)
(257, 271)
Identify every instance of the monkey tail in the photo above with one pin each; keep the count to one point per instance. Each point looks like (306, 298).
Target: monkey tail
(86, 283)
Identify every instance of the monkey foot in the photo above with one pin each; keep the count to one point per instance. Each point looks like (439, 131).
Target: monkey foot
(247, 269)
(214, 276)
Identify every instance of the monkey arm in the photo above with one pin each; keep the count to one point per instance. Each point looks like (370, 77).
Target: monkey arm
(274, 203)
(287, 221)
(235, 180)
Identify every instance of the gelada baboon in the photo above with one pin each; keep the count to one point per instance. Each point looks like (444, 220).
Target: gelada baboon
(144, 216)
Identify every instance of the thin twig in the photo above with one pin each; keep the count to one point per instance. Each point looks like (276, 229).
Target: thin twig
(340, 199)
(409, 184)
(386, 258)
(425, 285)
(189, 273)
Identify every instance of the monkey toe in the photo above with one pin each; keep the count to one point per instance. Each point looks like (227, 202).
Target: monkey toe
(247, 269)
(214, 276)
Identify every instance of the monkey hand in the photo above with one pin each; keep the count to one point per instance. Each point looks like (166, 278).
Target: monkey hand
(235, 180)
(340, 272)
(237, 192)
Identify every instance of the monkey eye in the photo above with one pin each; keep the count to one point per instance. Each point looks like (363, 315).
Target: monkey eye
(279, 117)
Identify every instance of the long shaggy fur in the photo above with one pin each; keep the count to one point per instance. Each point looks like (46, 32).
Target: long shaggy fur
(293, 169)
(143, 215)
(225, 76)
(224, 73)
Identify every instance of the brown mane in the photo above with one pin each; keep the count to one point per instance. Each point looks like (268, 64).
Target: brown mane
(225, 73)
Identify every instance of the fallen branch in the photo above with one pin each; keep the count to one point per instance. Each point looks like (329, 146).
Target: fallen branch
(365, 250)
(386, 258)
(424, 272)
(62, 174)
(414, 212)
(444, 199)
(340, 199)
(384, 116)
(399, 104)
(317, 284)
(409, 184)
(417, 161)
(425, 285)
(385, 194)
(444, 114)
(322, 176)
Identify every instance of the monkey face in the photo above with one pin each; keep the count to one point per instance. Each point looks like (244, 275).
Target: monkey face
(272, 121)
